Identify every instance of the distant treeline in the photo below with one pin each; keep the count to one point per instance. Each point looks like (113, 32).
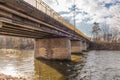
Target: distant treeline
(8, 42)
(104, 46)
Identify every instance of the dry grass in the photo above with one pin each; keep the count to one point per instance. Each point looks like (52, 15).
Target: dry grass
(6, 77)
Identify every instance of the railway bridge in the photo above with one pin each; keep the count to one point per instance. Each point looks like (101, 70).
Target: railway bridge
(55, 38)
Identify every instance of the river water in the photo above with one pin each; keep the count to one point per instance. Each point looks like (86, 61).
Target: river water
(21, 63)
(99, 65)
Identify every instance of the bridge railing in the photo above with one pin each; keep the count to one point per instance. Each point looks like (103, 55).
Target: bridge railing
(46, 9)
(39, 4)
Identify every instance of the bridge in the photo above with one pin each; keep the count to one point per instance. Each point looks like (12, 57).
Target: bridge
(55, 38)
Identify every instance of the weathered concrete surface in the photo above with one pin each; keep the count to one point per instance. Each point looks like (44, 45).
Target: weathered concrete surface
(84, 46)
(56, 48)
(76, 46)
(101, 65)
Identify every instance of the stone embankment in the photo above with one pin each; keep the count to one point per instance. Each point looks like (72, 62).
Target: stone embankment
(104, 46)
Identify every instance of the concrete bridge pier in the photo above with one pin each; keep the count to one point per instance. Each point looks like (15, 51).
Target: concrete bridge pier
(84, 44)
(53, 48)
(76, 46)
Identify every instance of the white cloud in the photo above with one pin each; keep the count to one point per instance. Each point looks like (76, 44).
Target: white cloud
(114, 22)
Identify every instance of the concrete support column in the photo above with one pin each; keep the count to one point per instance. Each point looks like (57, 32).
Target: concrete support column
(54, 48)
(84, 44)
(76, 46)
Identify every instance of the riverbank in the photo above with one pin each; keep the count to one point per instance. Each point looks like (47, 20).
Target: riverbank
(7, 77)
(104, 46)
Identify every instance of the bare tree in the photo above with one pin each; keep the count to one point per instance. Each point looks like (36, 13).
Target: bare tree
(115, 22)
(115, 34)
(95, 31)
(105, 30)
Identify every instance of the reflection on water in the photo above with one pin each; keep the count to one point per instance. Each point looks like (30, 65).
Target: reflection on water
(16, 63)
(22, 64)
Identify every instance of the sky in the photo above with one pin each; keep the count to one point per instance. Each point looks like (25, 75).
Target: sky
(87, 12)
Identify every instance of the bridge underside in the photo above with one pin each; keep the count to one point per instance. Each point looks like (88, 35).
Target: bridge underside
(23, 31)
(47, 46)
(19, 18)
(53, 39)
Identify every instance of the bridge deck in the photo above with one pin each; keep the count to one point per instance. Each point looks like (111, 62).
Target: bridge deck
(19, 17)
(39, 4)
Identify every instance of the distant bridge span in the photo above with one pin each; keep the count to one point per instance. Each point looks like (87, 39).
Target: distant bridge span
(55, 37)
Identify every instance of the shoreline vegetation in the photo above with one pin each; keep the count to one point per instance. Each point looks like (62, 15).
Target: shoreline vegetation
(8, 77)
(13, 51)
(104, 46)
(8, 42)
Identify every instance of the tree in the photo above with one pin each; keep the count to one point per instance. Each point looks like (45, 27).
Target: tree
(115, 34)
(95, 31)
(105, 30)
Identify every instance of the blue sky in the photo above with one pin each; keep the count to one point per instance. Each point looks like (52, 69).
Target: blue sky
(87, 12)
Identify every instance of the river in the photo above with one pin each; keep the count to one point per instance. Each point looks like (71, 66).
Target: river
(99, 65)
(21, 63)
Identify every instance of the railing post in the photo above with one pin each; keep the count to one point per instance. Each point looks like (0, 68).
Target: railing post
(46, 10)
(36, 3)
